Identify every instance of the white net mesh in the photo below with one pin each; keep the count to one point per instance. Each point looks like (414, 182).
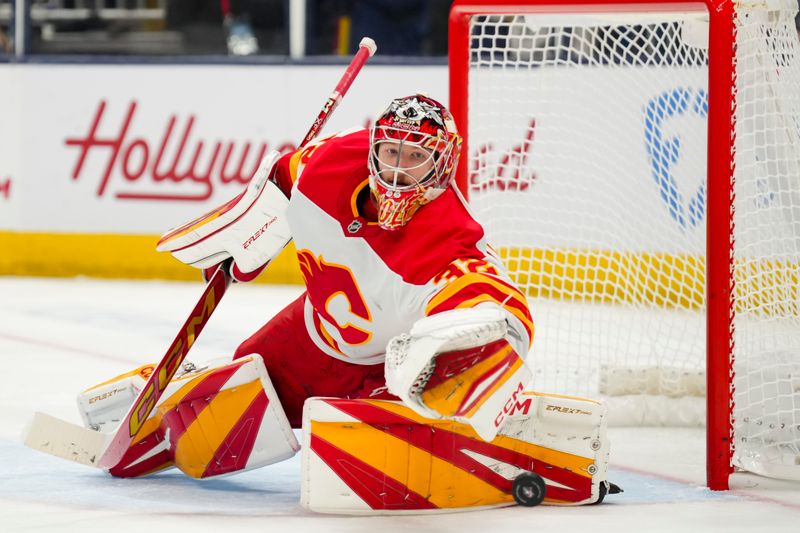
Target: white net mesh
(572, 170)
(587, 166)
(767, 249)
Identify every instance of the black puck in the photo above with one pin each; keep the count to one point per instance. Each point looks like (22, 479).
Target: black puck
(528, 489)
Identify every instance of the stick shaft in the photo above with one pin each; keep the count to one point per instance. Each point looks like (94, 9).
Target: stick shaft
(338, 93)
(166, 368)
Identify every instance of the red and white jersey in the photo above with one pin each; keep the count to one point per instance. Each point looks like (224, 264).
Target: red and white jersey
(366, 284)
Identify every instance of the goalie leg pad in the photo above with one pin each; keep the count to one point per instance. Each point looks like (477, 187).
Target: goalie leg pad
(380, 457)
(569, 425)
(212, 421)
(103, 406)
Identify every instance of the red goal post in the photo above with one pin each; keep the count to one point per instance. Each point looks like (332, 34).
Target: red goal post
(471, 59)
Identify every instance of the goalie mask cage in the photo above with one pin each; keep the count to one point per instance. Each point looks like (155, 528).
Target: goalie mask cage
(637, 166)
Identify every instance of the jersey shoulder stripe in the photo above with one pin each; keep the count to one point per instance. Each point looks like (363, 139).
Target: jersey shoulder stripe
(475, 288)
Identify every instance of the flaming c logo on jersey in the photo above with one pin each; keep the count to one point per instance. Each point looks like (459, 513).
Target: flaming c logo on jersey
(329, 281)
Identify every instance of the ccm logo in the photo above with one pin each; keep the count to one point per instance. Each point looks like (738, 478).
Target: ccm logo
(513, 406)
(258, 233)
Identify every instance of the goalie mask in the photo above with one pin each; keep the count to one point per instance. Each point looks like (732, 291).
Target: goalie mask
(414, 149)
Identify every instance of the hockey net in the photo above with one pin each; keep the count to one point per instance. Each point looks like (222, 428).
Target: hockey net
(588, 149)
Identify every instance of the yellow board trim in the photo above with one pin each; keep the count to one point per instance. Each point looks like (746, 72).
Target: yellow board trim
(763, 286)
(605, 276)
(112, 256)
(769, 287)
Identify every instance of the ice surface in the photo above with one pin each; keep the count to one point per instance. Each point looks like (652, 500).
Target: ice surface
(60, 336)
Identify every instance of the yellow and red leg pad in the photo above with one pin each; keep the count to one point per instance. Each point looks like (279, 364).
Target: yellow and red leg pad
(211, 422)
(380, 457)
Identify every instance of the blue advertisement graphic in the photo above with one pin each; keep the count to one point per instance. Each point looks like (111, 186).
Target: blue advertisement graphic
(665, 152)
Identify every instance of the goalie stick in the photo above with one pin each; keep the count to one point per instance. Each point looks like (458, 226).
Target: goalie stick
(76, 443)
(165, 369)
(82, 445)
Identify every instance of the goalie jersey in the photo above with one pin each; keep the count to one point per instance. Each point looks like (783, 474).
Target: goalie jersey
(366, 284)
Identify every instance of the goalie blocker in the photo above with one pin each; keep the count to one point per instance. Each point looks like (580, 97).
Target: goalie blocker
(251, 228)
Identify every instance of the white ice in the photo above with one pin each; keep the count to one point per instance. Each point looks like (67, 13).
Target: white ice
(58, 337)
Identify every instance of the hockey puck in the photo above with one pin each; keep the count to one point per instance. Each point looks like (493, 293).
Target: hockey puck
(528, 489)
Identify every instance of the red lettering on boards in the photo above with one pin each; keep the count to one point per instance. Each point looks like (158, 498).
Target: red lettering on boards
(177, 157)
(506, 172)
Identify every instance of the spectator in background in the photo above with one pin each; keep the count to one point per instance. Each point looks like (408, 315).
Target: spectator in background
(400, 27)
(241, 39)
(256, 26)
(5, 43)
(238, 27)
(199, 24)
(437, 35)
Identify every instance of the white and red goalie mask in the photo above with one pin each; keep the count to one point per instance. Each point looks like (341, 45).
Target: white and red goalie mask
(414, 149)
